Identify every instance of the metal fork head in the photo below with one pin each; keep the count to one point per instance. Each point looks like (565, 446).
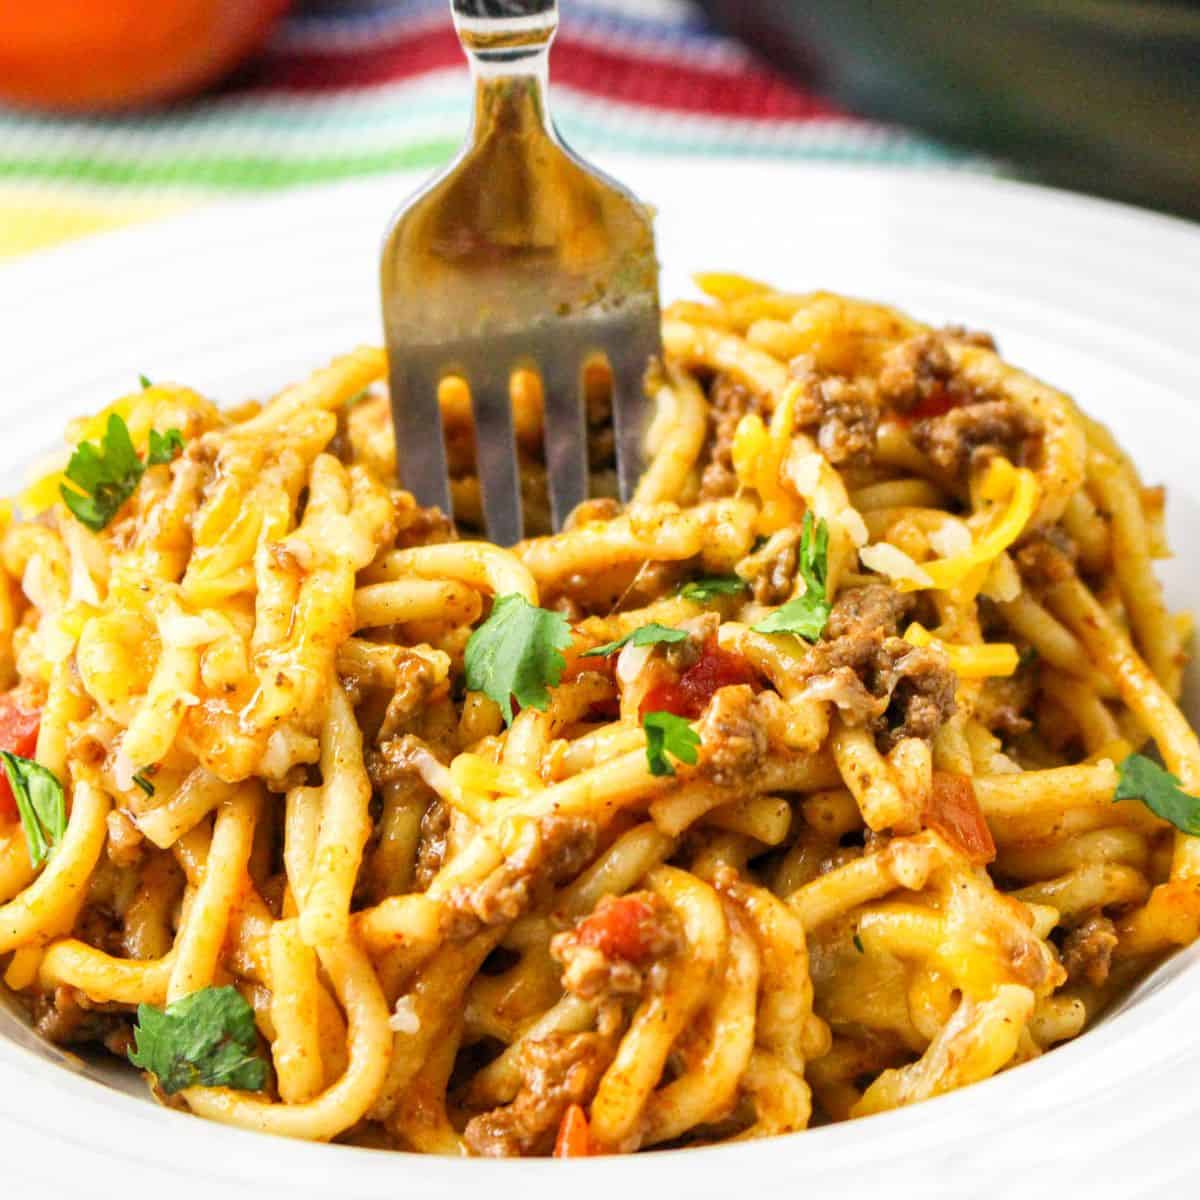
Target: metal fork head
(520, 255)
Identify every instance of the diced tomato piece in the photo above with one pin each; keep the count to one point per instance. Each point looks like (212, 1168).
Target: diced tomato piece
(18, 735)
(574, 1140)
(937, 404)
(954, 812)
(714, 669)
(621, 927)
(665, 697)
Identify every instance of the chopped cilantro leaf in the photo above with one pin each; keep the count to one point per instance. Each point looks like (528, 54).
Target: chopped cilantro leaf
(163, 446)
(40, 803)
(805, 615)
(1140, 778)
(644, 635)
(207, 1039)
(668, 734)
(106, 476)
(517, 652)
(703, 590)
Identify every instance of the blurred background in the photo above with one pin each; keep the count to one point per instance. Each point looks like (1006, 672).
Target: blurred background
(116, 111)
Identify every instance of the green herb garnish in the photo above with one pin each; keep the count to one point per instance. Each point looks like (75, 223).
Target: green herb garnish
(806, 614)
(1141, 778)
(517, 652)
(163, 447)
(106, 476)
(668, 734)
(207, 1039)
(40, 803)
(644, 635)
(704, 590)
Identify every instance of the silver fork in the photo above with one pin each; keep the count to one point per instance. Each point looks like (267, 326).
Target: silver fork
(518, 256)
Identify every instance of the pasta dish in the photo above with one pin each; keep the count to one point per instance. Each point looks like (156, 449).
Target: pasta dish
(840, 769)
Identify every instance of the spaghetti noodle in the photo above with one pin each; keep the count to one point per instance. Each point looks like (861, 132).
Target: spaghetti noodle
(785, 795)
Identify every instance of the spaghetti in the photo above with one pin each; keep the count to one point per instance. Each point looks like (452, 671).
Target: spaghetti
(807, 786)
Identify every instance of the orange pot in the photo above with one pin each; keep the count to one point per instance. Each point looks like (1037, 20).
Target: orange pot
(76, 55)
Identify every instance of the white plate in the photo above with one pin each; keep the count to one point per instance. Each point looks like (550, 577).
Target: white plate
(1101, 300)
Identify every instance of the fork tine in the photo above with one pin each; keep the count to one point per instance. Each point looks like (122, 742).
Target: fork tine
(496, 453)
(628, 360)
(566, 430)
(420, 445)
(461, 271)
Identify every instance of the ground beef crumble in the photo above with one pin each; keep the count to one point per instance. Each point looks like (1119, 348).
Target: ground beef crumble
(864, 612)
(875, 677)
(393, 761)
(771, 569)
(1047, 558)
(551, 849)
(733, 735)
(1088, 949)
(921, 688)
(959, 440)
(844, 413)
(556, 1072)
(914, 372)
(957, 428)
(65, 1017)
(431, 849)
(417, 526)
(416, 685)
(1001, 702)
(729, 402)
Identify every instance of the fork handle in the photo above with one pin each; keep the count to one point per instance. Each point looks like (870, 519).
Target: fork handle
(504, 10)
(505, 30)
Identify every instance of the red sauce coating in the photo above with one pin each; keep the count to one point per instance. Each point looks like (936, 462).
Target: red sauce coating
(688, 696)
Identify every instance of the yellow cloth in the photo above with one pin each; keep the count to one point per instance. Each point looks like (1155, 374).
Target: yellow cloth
(32, 218)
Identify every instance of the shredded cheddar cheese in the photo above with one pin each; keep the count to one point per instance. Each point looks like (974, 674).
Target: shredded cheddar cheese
(1011, 494)
(969, 662)
(759, 454)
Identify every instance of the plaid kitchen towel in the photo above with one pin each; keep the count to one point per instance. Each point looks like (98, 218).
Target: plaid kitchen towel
(354, 87)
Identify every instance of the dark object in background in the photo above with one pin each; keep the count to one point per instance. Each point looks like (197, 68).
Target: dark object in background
(1099, 95)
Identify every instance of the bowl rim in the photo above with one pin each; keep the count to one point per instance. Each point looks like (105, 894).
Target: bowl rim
(257, 1160)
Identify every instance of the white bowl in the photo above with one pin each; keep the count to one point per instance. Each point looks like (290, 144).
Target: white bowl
(1100, 300)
